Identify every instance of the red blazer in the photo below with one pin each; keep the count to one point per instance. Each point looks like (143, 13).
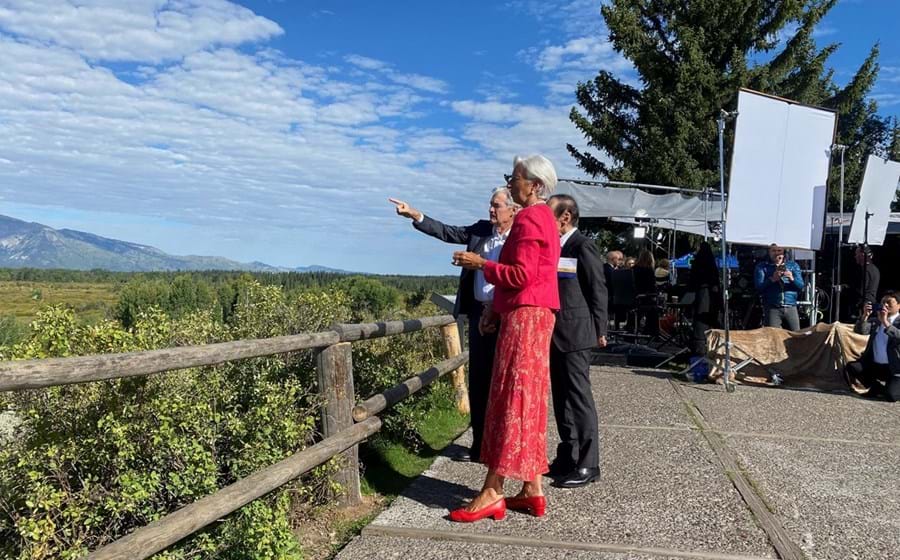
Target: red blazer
(526, 272)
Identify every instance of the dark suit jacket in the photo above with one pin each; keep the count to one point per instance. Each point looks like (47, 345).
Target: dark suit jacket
(870, 327)
(582, 315)
(474, 238)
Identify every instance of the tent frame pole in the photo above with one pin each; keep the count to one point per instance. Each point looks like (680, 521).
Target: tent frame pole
(726, 369)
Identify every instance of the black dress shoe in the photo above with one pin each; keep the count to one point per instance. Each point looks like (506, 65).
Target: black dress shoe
(579, 478)
(463, 456)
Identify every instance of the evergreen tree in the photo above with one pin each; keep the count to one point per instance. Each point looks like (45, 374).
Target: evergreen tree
(691, 58)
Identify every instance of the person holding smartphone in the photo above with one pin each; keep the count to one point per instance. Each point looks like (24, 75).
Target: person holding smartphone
(779, 283)
(879, 366)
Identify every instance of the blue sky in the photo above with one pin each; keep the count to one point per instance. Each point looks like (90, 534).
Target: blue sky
(276, 130)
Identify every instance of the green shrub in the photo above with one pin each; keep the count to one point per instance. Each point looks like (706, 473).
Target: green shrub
(92, 462)
(11, 331)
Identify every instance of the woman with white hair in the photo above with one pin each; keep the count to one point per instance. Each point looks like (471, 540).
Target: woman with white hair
(514, 444)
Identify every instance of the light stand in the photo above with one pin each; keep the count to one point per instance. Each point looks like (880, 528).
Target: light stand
(865, 270)
(836, 284)
(726, 370)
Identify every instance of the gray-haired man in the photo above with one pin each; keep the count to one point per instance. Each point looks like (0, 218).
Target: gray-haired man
(474, 295)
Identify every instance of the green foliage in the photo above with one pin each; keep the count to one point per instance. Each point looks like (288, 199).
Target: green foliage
(181, 295)
(11, 331)
(692, 58)
(91, 462)
(369, 298)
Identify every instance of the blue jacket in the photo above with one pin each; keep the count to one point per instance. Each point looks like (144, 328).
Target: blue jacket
(776, 294)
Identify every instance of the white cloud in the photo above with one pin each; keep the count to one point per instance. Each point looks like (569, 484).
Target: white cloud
(289, 161)
(889, 74)
(135, 30)
(386, 70)
(886, 99)
(366, 62)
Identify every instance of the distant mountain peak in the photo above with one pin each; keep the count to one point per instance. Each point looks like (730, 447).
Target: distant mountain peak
(33, 245)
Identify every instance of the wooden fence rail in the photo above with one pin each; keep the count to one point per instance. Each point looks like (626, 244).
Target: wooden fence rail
(335, 372)
(35, 374)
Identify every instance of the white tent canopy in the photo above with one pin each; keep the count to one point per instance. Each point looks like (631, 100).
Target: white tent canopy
(683, 226)
(674, 210)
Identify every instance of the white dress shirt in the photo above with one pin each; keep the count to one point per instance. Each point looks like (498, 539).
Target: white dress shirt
(880, 345)
(565, 237)
(484, 291)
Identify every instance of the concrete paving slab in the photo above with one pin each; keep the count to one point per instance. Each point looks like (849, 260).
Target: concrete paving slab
(386, 548)
(661, 489)
(638, 397)
(797, 413)
(838, 501)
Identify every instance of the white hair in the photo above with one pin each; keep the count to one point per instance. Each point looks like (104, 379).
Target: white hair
(538, 169)
(510, 203)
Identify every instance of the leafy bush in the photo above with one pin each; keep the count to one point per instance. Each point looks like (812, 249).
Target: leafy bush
(92, 462)
(11, 331)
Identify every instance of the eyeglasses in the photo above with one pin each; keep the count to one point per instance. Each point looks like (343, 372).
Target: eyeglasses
(511, 178)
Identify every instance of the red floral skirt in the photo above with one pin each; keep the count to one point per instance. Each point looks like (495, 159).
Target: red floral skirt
(515, 426)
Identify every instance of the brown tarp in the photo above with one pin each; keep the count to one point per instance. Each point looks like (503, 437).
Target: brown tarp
(813, 357)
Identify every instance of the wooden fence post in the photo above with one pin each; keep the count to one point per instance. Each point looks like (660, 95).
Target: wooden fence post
(335, 368)
(451, 344)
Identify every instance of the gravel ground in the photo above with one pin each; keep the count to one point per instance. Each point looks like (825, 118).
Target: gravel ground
(826, 465)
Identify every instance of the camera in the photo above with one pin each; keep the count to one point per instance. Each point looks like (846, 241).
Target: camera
(877, 308)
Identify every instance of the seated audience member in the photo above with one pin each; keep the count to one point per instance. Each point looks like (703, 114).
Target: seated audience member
(645, 286)
(779, 282)
(705, 284)
(662, 276)
(879, 366)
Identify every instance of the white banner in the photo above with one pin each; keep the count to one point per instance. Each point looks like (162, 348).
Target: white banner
(779, 172)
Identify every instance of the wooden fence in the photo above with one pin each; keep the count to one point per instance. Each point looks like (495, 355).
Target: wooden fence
(335, 371)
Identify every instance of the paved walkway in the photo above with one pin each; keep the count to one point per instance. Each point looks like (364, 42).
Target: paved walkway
(688, 472)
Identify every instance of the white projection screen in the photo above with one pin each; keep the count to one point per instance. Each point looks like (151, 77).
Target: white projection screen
(878, 189)
(779, 171)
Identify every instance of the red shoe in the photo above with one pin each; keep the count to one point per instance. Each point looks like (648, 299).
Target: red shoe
(535, 505)
(497, 510)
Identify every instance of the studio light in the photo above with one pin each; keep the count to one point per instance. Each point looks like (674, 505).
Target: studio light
(639, 232)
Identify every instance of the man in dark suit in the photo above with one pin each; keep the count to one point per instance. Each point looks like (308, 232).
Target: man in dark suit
(474, 295)
(581, 325)
(879, 367)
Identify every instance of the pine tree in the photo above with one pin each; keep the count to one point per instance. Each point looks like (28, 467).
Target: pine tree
(691, 58)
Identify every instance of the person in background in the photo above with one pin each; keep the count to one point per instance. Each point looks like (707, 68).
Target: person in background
(613, 262)
(629, 262)
(662, 276)
(868, 277)
(879, 366)
(704, 282)
(581, 325)
(645, 288)
(525, 299)
(474, 294)
(779, 282)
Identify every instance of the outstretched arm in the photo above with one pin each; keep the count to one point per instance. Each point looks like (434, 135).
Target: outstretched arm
(446, 233)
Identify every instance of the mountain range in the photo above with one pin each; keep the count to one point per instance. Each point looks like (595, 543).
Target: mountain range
(32, 245)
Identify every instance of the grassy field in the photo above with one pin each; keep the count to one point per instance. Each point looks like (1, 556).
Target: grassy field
(23, 300)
